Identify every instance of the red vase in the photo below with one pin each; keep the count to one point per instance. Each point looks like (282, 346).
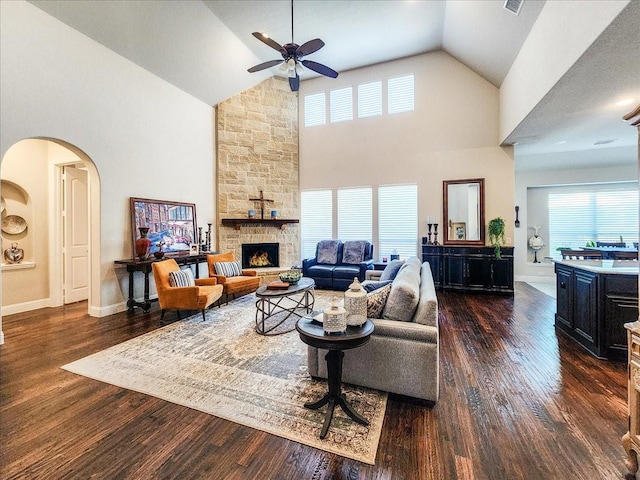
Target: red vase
(143, 244)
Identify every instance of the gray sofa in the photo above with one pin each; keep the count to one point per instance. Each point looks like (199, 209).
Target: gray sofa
(402, 356)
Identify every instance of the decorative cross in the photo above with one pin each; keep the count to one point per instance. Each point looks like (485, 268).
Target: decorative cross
(262, 200)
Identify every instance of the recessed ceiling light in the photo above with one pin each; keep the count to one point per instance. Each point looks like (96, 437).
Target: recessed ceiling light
(561, 142)
(624, 102)
(604, 142)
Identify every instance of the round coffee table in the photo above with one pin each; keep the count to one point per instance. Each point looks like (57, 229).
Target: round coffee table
(312, 333)
(274, 307)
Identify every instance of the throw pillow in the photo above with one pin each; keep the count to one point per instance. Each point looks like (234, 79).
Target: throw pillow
(371, 286)
(376, 301)
(391, 270)
(353, 252)
(328, 252)
(228, 269)
(181, 278)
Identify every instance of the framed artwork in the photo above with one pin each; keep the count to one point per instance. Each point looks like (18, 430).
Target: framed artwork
(459, 230)
(193, 249)
(173, 223)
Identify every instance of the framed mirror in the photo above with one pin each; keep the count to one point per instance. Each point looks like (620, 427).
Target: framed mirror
(463, 202)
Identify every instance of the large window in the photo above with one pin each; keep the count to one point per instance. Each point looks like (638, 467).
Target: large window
(591, 213)
(370, 99)
(398, 220)
(316, 219)
(341, 104)
(400, 94)
(314, 110)
(354, 214)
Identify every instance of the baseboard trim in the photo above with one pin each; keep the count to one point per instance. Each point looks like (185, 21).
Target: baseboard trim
(26, 306)
(535, 279)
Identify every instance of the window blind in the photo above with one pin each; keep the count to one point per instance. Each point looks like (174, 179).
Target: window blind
(398, 220)
(400, 94)
(341, 104)
(354, 214)
(314, 110)
(370, 99)
(316, 219)
(591, 213)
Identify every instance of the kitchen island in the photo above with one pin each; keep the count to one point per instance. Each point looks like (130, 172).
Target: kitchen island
(595, 298)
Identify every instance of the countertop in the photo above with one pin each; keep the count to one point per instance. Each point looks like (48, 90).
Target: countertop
(615, 267)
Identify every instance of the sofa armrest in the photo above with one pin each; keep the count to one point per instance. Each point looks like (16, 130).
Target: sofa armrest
(206, 281)
(373, 275)
(405, 330)
(308, 262)
(249, 273)
(364, 266)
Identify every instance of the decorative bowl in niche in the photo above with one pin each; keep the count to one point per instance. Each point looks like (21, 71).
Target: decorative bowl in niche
(291, 277)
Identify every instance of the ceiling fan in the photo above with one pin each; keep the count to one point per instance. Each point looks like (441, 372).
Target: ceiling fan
(292, 54)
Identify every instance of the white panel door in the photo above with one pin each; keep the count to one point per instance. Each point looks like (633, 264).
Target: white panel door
(76, 235)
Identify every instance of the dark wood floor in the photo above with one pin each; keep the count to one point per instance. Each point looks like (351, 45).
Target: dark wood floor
(518, 401)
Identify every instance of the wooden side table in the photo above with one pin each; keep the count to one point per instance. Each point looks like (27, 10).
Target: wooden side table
(312, 333)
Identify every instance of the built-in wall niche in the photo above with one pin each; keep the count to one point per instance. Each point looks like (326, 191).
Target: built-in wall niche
(17, 227)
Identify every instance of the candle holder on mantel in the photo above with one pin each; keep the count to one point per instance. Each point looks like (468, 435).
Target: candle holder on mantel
(435, 234)
(429, 225)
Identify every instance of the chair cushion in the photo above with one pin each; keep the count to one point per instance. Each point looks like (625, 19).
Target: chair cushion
(347, 272)
(328, 251)
(182, 278)
(320, 271)
(354, 251)
(241, 283)
(391, 270)
(376, 301)
(228, 269)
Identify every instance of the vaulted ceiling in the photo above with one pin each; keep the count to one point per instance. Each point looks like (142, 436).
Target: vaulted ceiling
(205, 47)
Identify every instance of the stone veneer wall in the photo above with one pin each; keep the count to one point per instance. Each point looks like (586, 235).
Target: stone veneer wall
(257, 149)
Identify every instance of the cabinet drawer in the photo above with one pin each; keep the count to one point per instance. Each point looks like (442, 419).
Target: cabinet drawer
(635, 348)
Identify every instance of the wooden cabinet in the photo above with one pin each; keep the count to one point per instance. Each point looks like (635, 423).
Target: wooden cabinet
(631, 440)
(470, 269)
(593, 304)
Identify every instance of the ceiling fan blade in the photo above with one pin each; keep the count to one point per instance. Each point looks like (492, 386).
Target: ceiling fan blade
(294, 83)
(268, 41)
(319, 68)
(262, 66)
(309, 47)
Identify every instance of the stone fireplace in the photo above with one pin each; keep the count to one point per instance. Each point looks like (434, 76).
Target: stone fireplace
(257, 150)
(260, 255)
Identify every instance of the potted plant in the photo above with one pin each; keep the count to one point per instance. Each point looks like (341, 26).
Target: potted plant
(496, 234)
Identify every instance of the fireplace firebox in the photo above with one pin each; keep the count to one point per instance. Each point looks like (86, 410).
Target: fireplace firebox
(260, 255)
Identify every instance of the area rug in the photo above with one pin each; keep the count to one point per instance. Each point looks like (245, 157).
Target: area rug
(223, 367)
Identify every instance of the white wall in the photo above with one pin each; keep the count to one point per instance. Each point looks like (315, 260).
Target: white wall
(28, 285)
(146, 138)
(452, 134)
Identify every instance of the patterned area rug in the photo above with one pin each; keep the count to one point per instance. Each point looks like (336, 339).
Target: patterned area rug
(224, 368)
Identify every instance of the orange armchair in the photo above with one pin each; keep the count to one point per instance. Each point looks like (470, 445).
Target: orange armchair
(198, 297)
(238, 285)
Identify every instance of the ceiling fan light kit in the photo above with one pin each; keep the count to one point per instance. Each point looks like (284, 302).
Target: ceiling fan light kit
(292, 53)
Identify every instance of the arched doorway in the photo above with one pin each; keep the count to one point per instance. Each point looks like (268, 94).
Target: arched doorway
(42, 167)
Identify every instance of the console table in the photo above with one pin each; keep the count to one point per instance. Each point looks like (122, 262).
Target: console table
(470, 268)
(134, 265)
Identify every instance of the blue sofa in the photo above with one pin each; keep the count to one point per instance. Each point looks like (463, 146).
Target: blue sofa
(336, 263)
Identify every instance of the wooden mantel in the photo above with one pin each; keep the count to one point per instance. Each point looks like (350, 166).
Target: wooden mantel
(276, 222)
